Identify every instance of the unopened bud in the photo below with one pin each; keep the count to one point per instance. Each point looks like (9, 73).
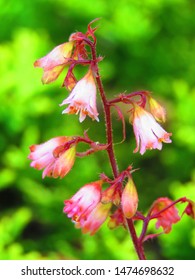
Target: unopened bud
(157, 110)
(129, 199)
(190, 209)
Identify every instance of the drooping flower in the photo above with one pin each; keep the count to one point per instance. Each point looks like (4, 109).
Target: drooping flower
(52, 157)
(129, 199)
(157, 110)
(148, 133)
(83, 202)
(166, 218)
(83, 98)
(54, 62)
(95, 219)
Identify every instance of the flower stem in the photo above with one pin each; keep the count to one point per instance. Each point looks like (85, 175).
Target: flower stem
(138, 245)
(110, 148)
(108, 123)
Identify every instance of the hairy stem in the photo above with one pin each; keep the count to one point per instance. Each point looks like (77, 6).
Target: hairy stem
(108, 124)
(110, 148)
(137, 244)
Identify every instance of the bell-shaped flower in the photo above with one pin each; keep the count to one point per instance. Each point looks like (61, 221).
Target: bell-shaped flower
(53, 157)
(157, 110)
(95, 219)
(148, 133)
(55, 61)
(83, 202)
(83, 98)
(166, 218)
(129, 199)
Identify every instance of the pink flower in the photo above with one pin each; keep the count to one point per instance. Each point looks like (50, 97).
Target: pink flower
(95, 219)
(83, 202)
(83, 98)
(52, 157)
(148, 133)
(166, 218)
(54, 62)
(129, 199)
(85, 208)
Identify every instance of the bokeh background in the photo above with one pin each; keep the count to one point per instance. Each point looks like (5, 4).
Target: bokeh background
(146, 44)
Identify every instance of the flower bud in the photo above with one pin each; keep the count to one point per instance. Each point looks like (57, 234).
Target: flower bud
(129, 199)
(116, 219)
(157, 110)
(190, 209)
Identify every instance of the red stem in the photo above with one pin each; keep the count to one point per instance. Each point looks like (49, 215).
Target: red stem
(110, 148)
(137, 244)
(108, 124)
(126, 98)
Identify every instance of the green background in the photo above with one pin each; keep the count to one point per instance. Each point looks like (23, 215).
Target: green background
(147, 45)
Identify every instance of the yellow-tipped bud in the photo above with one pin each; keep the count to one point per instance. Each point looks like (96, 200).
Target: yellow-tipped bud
(129, 199)
(157, 110)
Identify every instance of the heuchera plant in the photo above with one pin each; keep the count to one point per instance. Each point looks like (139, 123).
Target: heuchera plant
(94, 203)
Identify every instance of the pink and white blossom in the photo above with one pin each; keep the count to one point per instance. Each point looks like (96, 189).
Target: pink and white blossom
(55, 61)
(52, 157)
(83, 202)
(95, 219)
(148, 133)
(82, 99)
(86, 209)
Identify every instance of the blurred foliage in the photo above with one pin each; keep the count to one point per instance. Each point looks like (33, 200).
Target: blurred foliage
(146, 44)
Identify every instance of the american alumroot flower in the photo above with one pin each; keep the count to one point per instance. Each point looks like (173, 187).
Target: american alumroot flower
(52, 157)
(148, 133)
(83, 202)
(95, 219)
(55, 61)
(83, 98)
(167, 217)
(129, 199)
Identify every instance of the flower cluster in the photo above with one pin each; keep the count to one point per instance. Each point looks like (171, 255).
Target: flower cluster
(83, 95)
(90, 206)
(94, 203)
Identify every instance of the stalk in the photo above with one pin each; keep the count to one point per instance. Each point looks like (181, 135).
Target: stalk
(110, 148)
